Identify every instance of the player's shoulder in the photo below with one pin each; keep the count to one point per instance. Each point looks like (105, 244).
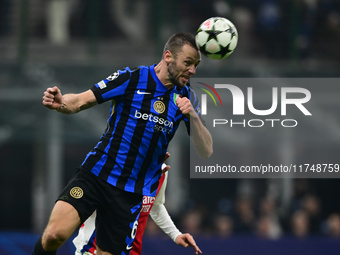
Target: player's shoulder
(119, 74)
(128, 74)
(141, 70)
(189, 92)
(123, 73)
(193, 97)
(184, 91)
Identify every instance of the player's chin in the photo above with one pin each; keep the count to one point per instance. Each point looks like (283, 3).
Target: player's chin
(183, 81)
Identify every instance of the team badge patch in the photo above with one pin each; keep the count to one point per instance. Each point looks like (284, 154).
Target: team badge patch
(159, 106)
(76, 192)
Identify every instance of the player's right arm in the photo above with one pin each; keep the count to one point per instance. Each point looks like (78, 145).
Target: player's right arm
(68, 103)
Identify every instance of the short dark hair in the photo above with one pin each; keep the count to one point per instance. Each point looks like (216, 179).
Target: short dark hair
(176, 42)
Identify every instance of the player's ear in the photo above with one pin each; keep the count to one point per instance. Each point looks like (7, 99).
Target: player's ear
(168, 56)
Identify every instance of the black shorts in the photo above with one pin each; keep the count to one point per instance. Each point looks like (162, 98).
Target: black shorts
(117, 210)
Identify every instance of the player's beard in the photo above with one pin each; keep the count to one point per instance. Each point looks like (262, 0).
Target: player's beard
(174, 74)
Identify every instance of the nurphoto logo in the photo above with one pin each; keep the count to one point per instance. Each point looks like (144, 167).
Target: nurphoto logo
(268, 127)
(244, 103)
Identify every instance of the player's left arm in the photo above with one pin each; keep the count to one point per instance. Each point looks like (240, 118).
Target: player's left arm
(200, 135)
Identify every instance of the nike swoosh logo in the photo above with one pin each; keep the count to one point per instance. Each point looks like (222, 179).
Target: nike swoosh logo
(142, 93)
(128, 247)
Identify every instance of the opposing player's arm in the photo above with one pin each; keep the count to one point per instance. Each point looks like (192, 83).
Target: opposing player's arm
(186, 240)
(199, 134)
(68, 103)
(161, 217)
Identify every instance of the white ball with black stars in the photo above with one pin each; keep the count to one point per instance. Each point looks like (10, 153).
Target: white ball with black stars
(216, 38)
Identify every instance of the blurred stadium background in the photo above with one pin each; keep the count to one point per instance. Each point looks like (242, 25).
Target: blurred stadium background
(74, 44)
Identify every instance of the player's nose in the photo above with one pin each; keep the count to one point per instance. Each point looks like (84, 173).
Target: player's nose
(192, 69)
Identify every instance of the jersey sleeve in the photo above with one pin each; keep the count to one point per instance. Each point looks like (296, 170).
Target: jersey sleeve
(195, 102)
(197, 107)
(113, 86)
(160, 215)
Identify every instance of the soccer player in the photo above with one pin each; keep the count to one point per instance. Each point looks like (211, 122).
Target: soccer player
(85, 241)
(148, 104)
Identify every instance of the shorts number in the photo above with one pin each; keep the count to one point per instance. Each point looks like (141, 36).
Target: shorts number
(134, 229)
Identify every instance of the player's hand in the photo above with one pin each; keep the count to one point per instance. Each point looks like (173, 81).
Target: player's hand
(187, 240)
(184, 105)
(167, 167)
(167, 155)
(52, 98)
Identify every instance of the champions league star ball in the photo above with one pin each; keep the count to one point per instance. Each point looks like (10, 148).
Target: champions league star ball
(216, 38)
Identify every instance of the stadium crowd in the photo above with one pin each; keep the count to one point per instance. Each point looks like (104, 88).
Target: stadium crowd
(308, 215)
(277, 29)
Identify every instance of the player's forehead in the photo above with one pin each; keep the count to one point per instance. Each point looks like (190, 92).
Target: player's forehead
(187, 52)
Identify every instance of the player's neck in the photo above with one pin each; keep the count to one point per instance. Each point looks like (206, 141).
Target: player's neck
(161, 71)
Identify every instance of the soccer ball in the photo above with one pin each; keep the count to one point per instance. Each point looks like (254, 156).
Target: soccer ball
(216, 38)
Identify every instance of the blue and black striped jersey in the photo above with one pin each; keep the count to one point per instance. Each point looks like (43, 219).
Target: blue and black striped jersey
(144, 118)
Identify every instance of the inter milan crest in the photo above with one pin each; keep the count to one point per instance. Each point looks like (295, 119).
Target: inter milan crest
(76, 192)
(159, 106)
